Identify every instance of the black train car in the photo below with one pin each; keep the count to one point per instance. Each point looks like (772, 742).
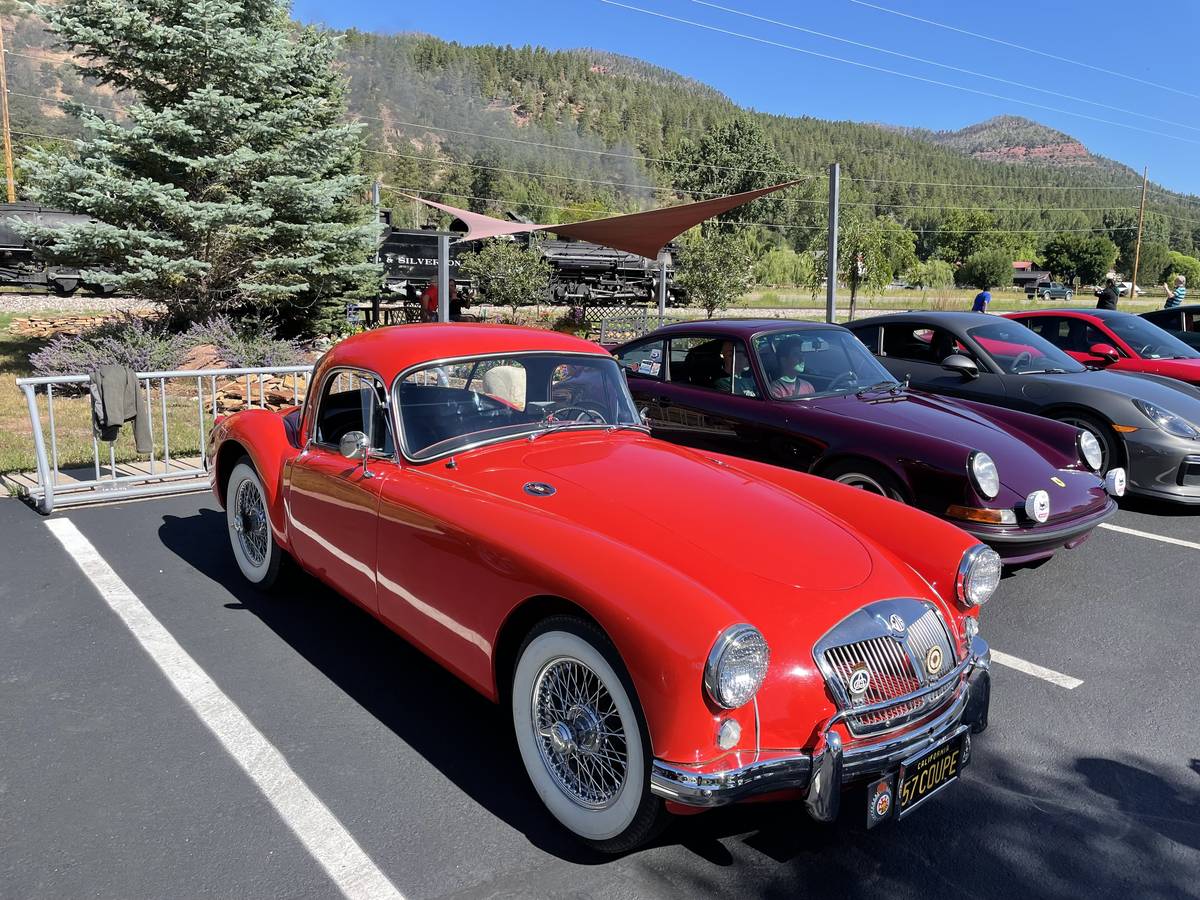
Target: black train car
(582, 273)
(20, 263)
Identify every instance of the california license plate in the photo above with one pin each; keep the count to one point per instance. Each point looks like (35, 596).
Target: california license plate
(924, 775)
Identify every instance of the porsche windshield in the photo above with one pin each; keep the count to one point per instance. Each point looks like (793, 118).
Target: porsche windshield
(1018, 351)
(1148, 340)
(816, 363)
(449, 406)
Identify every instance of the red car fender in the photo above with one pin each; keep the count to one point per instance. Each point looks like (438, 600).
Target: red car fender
(261, 435)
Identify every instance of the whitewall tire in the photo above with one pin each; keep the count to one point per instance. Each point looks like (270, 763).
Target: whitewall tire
(582, 736)
(249, 526)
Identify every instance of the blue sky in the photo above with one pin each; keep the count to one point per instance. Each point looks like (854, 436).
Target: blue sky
(1132, 39)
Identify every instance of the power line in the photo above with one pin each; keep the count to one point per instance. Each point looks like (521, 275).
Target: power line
(1024, 48)
(896, 72)
(931, 62)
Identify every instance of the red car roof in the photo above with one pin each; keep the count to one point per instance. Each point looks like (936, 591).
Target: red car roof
(389, 351)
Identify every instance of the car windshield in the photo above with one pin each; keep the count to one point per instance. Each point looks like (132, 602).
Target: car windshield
(449, 406)
(1148, 340)
(805, 363)
(1018, 351)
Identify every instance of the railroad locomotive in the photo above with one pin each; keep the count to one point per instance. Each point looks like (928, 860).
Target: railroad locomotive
(20, 262)
(582, 273)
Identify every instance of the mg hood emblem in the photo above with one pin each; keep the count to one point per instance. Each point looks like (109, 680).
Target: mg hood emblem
(859, 681)
(896, 624)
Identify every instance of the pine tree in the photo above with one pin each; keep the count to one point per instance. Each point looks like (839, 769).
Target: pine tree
(234, 187)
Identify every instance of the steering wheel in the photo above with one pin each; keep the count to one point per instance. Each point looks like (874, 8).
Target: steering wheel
(1023, 359)
(584, 414)
(850, 379)
(1147, 351)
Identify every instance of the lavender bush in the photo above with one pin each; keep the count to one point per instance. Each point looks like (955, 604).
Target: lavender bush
(146, 345)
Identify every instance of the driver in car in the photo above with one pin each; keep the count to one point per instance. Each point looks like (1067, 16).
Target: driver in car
(790, 353)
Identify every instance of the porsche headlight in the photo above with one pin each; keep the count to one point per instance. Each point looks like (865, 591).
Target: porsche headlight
(1166, 420)
(1089, 450)
(978, 575)
(736, 666)
(984, 474)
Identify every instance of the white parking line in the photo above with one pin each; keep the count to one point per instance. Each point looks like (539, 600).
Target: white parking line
(1013, 662)
(1179, 542)
(325, 838)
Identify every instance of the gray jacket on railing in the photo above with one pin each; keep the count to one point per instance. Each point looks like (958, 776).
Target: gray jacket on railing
(115, 400)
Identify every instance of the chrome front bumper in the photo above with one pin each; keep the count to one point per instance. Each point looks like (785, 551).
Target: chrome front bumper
(821, 772)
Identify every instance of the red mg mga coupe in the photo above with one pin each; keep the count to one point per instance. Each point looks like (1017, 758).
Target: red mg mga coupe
(670, 628)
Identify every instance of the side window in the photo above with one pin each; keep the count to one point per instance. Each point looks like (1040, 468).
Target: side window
(353, 401)
(644, 360)
(921, 343)
(718, 364)
(1093, 335)
(1055, 329)
(1189, 323)
(870, 337)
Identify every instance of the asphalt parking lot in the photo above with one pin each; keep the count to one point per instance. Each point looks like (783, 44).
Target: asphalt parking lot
(112, 786)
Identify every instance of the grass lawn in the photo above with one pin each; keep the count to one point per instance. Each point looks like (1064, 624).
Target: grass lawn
(943, 299)
(72, 415)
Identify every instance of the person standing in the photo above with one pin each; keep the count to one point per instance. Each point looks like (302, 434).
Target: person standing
(1176, 296)
(1108, 296)
(982, 299)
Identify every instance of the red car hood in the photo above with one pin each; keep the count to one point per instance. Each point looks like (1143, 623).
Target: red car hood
(619, 487)
(695, 515)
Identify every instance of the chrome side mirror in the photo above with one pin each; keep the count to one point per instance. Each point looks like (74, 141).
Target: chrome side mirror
(644, 415)
(356, 445)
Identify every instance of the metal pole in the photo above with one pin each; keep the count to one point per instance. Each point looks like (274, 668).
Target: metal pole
(1137, 247)
(662, 287)
(831, 259)
(8, 161)
(443, 285)
(46, 503)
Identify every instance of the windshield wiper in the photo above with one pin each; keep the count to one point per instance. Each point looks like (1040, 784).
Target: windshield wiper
(889, 386)
(1043, 372)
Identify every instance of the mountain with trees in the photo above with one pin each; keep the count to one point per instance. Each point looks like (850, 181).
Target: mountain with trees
(566, 135)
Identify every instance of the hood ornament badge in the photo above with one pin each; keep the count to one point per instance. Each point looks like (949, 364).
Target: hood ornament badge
(540, 489)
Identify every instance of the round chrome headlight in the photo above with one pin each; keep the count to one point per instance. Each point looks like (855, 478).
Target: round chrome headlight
(984, 474)
(736, 666)
(978, 575)
(1089, 450)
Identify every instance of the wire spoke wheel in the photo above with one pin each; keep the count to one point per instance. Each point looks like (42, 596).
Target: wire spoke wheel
(579, 733)
(255, 550)
(251, 522)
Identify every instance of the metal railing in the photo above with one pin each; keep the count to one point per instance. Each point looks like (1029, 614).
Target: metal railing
(164, 475)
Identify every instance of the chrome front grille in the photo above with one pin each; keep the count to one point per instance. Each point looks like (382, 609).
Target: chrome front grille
(898, 663)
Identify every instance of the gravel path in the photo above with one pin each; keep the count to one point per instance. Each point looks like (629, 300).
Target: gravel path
(79, 302)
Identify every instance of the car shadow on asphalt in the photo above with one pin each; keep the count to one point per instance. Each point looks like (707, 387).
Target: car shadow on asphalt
(1008, 830)
(366, 659)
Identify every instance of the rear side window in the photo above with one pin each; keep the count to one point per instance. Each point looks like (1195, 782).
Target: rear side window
(353, 401)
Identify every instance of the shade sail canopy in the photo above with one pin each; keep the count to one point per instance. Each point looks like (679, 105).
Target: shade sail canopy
(644, 233)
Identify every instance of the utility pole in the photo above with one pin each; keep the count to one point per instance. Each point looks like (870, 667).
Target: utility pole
(1137, 247)
(443, 276)
(831, 258)
(8, 163)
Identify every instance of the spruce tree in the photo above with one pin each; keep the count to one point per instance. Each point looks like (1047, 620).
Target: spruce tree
(234, 185)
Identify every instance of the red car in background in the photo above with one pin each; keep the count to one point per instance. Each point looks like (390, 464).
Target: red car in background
(1121, 341)
(669, 629)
